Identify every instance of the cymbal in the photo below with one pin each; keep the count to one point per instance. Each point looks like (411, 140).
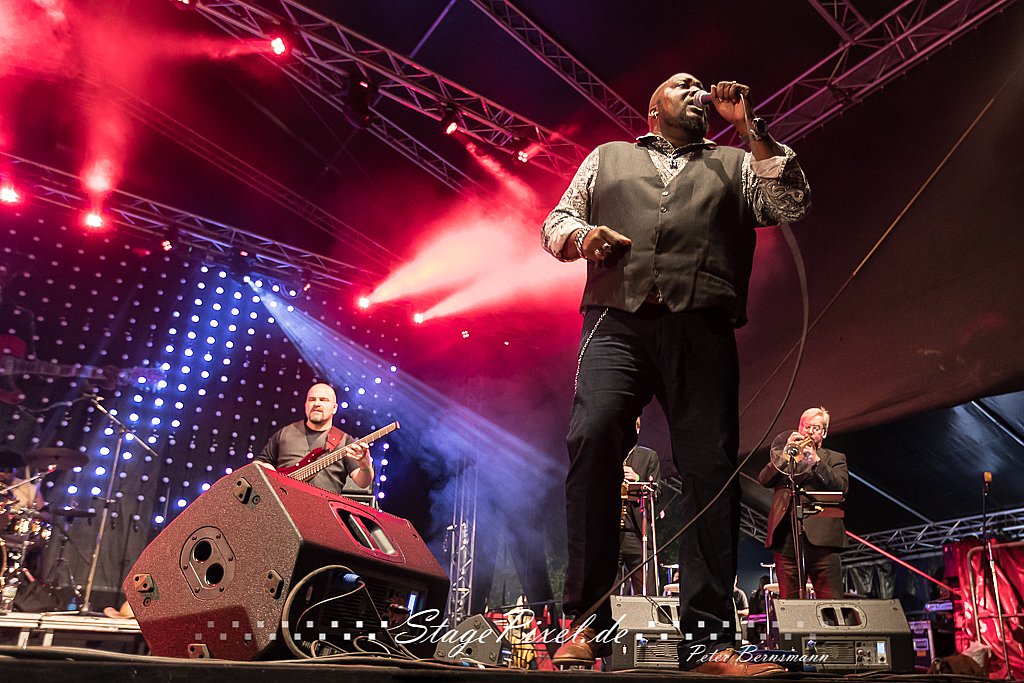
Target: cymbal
(61, 458)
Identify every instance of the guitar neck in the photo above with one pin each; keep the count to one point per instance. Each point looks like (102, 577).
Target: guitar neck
(12, 365)
(327, 459)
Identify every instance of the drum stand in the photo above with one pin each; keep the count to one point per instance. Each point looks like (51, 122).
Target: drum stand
(61, 561)
(108, 500)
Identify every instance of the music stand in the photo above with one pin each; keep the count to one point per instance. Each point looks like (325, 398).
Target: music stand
(108, 499)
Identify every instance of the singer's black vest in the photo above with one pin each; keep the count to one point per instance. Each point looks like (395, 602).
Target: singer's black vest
(694, 238)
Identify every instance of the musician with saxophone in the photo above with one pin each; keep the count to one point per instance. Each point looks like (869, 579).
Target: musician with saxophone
(823, 535)
(641, 464)
(291, 443)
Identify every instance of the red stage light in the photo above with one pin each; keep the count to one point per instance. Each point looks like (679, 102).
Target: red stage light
(418, 318)
(523, 156)
(9, 195)
(465, 334)
(363, 302)
(93, 219)
(166, 245)
(449, 120)
(278, 45)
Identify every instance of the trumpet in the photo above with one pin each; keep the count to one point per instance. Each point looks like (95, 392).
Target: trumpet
(793, 450)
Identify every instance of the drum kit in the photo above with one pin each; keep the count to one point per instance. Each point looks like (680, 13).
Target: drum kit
(24, 528)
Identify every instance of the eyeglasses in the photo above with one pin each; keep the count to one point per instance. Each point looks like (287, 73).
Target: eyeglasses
(814, 429)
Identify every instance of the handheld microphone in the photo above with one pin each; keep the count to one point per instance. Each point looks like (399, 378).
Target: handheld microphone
(988, 481)
(702, 97)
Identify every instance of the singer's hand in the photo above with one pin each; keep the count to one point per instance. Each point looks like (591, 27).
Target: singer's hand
(725, 95)
(629, 474)
(604, 245)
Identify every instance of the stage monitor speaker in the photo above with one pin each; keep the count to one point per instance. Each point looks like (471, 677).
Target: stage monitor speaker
(652, 639)
(215, 581)
(475, 639)
(846, 636)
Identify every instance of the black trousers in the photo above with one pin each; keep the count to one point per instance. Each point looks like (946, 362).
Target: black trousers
(688, 362)
(823, 569)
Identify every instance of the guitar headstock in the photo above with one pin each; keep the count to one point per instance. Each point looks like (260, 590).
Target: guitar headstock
(125, 376)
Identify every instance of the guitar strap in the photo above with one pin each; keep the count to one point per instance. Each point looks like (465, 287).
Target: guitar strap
(334, 438)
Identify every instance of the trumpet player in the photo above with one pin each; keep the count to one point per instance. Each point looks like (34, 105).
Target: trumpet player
(823, 536)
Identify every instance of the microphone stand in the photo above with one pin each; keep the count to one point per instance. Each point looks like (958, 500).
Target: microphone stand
(990, 557)
(108, 500)
(796, 526)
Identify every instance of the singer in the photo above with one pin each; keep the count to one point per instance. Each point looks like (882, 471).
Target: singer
(823, 536)
(666, 227)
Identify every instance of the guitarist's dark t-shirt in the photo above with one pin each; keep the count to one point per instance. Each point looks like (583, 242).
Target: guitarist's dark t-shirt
(290, 444)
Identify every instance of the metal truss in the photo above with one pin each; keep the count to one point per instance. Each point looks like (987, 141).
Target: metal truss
(217, 242)
(462, 536)
(558, 59)
(355, 240)
(914, 542)
(842, 16)
(752, 522)
(873, 55)
(332, 56)
(331, 83)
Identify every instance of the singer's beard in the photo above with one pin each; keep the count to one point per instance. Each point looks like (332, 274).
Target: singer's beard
(694, 127)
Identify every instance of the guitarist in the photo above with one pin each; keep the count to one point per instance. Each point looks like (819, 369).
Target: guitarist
(291, 443)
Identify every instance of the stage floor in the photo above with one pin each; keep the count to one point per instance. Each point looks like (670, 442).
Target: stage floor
(90, 666)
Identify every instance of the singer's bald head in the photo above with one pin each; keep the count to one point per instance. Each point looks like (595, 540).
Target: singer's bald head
(670, 114)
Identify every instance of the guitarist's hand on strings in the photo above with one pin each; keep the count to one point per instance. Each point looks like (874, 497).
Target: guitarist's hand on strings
(360, 453)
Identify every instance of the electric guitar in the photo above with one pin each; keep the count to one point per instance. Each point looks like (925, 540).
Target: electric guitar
(13, 363)
(317, 460)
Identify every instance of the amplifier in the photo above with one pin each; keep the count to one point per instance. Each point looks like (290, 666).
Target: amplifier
(652, 637)
(846, 636)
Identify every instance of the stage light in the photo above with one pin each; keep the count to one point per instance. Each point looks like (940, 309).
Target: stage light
(278, 45)
(170, 238)
(307, 282)
(93, 219)
(449, 120)
(356, 106)
(363, 302)
(465, 334)
(521, 148)
(418, 318)
(9, 195)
